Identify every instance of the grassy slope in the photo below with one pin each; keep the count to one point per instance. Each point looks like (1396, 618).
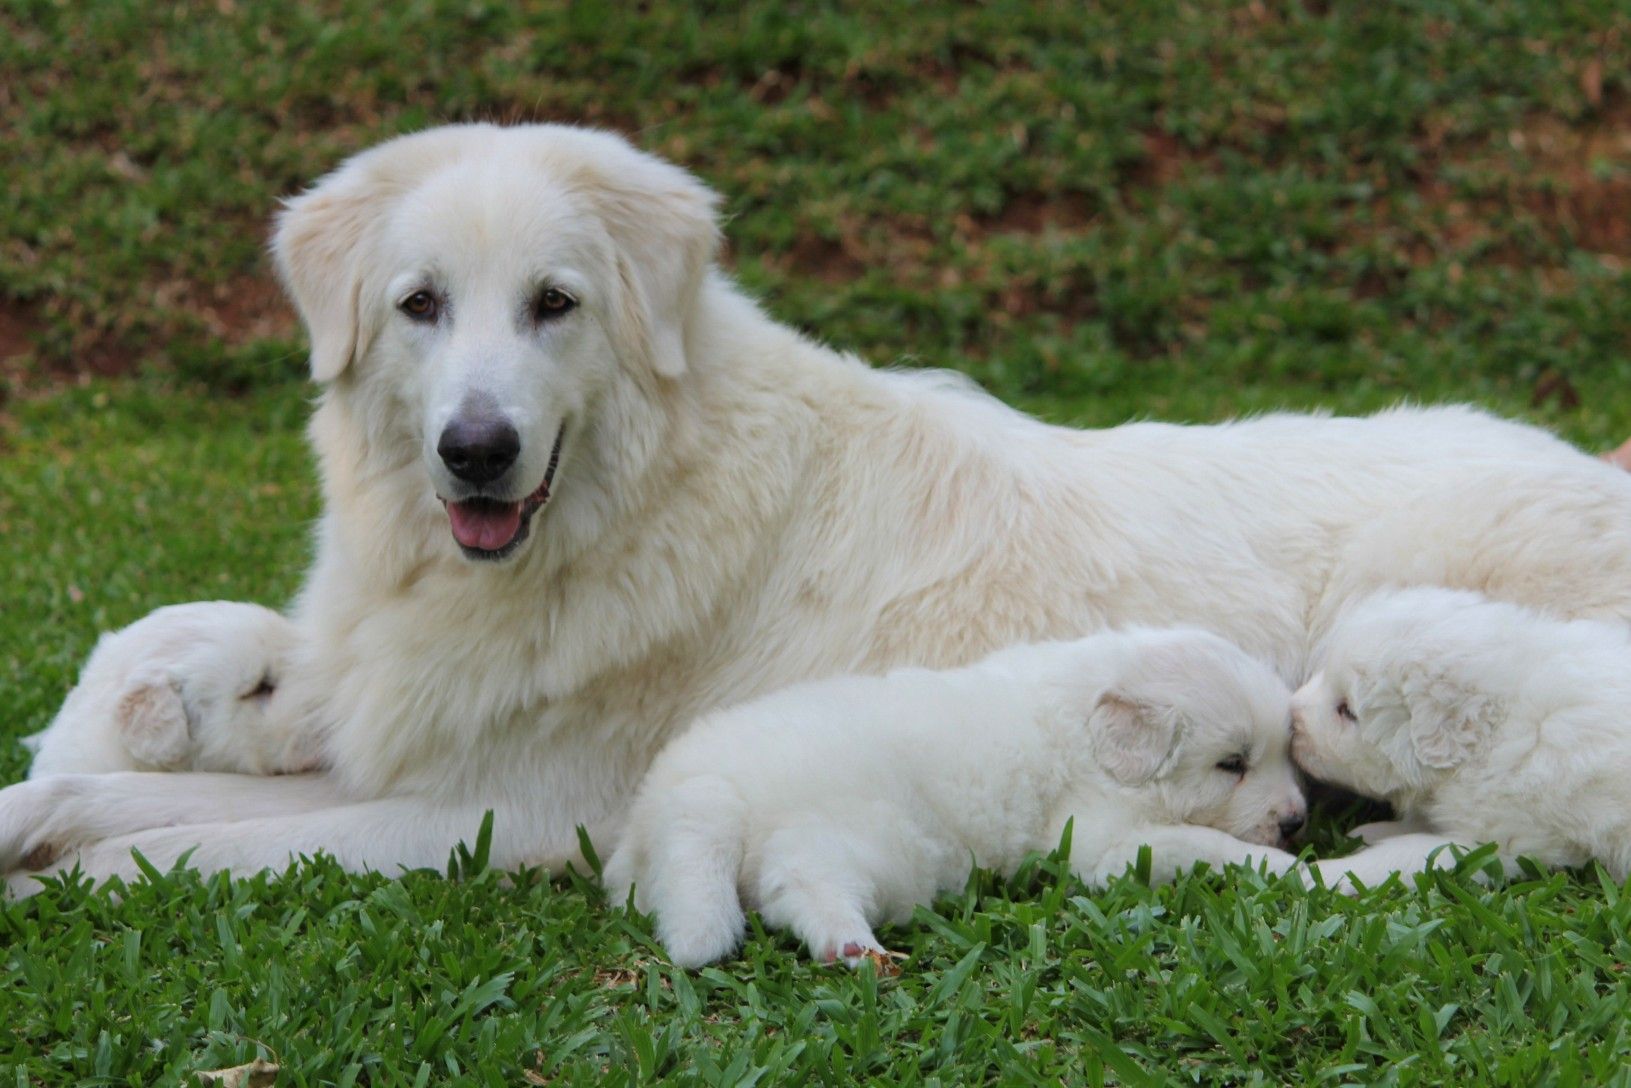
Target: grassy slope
(1098, 214)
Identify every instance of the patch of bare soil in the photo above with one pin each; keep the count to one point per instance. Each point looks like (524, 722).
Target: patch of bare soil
(1582, 181)
(17, 329)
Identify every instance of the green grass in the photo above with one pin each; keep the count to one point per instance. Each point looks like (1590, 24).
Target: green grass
(1099, 211)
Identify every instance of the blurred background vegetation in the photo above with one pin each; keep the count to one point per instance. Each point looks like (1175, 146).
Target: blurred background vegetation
(1179, 209)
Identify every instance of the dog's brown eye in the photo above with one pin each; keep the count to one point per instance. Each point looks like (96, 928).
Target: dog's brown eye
(1345, 712)
(553, 302)
(421, 306)
(1234, 765)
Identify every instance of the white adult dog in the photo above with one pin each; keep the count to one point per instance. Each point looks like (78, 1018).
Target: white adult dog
(579, 490)
(1479, 721)
(835, 804)
(190, 687)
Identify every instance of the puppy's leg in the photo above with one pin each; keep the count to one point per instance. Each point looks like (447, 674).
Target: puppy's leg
(814, 883)
(682, 855)
(1173, 850)
(1408, 853)
(48, 816)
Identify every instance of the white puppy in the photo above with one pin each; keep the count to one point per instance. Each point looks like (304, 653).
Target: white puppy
(1479, 721)
(188, 687)
(835, 804)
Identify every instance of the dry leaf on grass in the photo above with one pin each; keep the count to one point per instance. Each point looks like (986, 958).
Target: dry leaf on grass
(257, 1074)
(886, 964)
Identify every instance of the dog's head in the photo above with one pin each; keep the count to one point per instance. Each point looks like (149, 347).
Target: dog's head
(484, 297)
(188, 687)
(1408, 689)
(1204, 730)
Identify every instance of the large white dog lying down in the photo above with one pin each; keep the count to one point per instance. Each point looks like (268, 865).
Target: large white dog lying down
(1480, 721)
(579, 490)
(838, 803)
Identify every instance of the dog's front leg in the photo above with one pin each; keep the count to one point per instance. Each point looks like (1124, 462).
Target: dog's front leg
(388, 835)
(1174, 850)
(45, 817)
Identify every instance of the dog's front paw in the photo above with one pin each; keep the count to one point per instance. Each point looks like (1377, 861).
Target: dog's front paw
(31, 820)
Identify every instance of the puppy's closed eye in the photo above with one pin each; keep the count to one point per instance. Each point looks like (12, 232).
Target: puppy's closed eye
(262, 690)
(1345, 712)
(1235, 765)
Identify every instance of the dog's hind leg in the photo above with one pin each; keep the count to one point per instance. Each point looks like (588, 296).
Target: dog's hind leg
(683, 867)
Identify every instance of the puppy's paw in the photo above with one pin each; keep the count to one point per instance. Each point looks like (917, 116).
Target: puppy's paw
(696, 939)
(856, 950)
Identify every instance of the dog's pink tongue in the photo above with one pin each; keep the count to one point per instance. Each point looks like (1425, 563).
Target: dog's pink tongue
(485, 526)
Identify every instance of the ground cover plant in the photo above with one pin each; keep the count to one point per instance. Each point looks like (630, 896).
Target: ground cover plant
(1100, 212)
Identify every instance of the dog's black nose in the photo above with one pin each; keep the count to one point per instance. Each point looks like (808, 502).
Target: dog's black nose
(1290, 825)
(479, 449)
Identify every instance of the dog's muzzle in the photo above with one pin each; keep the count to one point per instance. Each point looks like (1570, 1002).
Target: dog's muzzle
(490, 528)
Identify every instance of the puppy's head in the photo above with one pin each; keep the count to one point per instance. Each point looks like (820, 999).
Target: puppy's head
(484, 298)
(1203, 730)
(189, 687)
(1409, 688)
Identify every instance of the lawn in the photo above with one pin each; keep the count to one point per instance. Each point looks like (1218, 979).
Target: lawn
(1100, 212)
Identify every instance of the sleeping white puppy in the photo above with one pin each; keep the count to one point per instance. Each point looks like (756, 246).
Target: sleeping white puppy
(187, 687)
(1479, 721)
(835, 804)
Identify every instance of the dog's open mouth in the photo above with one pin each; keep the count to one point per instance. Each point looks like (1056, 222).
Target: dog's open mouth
(488, 528)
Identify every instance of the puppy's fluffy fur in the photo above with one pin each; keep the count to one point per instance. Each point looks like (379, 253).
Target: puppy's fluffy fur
(1479, 721)
(186, 688)
(836, 804)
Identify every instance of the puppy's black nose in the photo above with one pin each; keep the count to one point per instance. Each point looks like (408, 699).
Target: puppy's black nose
(479, 449)
(1290, 825)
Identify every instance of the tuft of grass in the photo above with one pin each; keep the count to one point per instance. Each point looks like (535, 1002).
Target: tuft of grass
(1099, 211)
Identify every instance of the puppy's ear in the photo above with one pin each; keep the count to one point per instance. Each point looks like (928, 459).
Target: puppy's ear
(1448, 721)
(1134, 741)
(662, 222)
(153, 723)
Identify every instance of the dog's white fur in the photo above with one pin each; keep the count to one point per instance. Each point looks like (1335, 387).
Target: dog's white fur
(190, 687)
(1479, 721)
(835, 804)
(737, 509)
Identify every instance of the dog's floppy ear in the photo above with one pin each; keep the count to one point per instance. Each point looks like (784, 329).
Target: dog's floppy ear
(1134, 741)
(317, 248)
(321, 241)
(153, 723)
(1448, 721)
(662, 222)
